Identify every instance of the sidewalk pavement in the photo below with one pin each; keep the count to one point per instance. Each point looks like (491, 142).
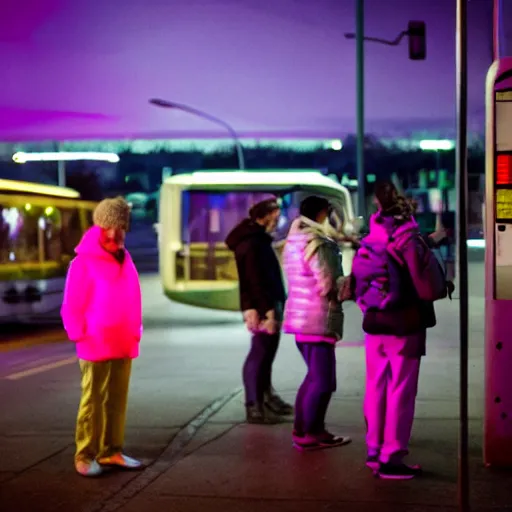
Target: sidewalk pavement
(227, 465)
(236, 467)
(232, 466)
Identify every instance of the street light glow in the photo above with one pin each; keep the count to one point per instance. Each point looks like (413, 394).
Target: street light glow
(437, 145)
(336, 145)
(63, 156)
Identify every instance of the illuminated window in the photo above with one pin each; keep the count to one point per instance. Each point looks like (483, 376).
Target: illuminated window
(71, 231)
(51, 238)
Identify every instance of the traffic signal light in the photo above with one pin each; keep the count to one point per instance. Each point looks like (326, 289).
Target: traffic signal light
(417, 40)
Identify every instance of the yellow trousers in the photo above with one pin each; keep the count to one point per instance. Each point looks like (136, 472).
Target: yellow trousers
(102, 412)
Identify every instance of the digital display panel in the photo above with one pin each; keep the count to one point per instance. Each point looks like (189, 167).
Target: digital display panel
(504, 205)
(503, 161)
(504, 169)
(504, 120)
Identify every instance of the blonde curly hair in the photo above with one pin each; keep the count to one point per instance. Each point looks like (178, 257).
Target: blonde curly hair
(112, 213)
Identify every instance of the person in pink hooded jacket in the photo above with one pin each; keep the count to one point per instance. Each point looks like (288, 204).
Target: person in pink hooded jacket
(102, 314)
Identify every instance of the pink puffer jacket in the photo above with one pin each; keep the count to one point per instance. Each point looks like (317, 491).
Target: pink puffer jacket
(102, 306)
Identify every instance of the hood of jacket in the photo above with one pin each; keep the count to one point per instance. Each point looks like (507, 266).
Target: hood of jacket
(311, 234)
(102, 304)
(90, 245)
(246, 229)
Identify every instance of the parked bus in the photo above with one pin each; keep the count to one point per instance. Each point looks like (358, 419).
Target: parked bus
(198, 210)
(40, 226)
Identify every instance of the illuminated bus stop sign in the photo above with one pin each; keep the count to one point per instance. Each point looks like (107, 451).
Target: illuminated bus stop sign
(503, 193)
(498, 266)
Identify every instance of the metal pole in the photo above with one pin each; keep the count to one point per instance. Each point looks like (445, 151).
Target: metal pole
(461, 169)
(361, 178)
(61, 169)
(227, 126)
(240, 154)
(498, 31)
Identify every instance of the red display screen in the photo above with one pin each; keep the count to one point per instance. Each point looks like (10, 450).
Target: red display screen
(504, 170)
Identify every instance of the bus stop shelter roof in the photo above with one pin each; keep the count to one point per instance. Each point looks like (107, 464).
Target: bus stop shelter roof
(77, 69)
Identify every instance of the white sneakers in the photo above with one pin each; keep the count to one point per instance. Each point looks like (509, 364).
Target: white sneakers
(92, 468)
(88, 468)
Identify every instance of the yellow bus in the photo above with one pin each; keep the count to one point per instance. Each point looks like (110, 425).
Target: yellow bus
(40, 226)
(198, 210)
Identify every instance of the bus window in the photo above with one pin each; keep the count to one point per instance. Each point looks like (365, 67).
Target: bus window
(4, 238)
(88, 218)
(50, 224)
(207, 219)
(71, 231)
(20, 234)
(210, 216)
(11, 225)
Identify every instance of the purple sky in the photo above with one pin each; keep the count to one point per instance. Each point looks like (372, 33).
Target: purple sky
(84, 69)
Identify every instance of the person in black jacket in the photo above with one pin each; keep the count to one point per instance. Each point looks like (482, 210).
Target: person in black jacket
(262, 298)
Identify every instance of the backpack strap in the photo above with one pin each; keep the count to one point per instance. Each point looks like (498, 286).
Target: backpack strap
(394, 251)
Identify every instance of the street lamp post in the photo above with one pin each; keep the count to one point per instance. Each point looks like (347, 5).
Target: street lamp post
(462, 182)
(361, 177)
(417, 51)
(199, 113)
(498, 31)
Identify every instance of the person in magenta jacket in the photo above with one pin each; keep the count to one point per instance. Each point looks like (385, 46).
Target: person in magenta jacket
(102, 314)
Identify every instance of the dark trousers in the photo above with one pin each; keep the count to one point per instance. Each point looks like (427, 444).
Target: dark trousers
(317, 388)
(257, 371)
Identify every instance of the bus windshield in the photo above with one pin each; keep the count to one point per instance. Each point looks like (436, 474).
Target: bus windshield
(208, 217)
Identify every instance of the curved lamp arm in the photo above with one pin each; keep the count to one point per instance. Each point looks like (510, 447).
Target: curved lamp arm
(199, 113)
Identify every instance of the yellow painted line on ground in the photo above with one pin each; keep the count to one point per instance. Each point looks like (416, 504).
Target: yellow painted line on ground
(31, 340)
(41, 369)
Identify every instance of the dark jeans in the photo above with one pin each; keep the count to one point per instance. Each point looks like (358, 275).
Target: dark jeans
(257, 371)
(317, 388)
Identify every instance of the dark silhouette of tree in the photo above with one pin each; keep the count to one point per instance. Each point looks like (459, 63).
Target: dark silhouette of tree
(87, 183)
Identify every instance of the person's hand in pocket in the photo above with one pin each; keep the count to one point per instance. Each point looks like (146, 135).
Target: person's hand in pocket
(252, 320)
(269, 324)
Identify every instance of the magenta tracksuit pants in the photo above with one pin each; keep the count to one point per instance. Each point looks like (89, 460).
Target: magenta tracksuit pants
(392, 371)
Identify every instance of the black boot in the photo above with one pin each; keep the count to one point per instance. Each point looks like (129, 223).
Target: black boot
(256, 415)
(277, 405)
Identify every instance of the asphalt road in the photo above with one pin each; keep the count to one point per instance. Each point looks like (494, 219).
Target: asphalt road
(186, 422)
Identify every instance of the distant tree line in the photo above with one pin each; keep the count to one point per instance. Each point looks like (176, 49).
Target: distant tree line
(381, 161)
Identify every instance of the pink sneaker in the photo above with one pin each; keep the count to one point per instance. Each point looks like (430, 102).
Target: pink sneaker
(120, 460)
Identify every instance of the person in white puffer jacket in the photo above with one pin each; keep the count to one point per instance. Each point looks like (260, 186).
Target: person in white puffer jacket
(314, 314)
